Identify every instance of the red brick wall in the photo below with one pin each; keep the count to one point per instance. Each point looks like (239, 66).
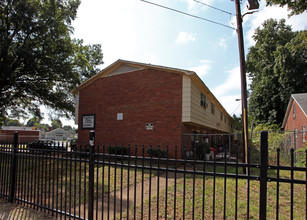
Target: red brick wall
(298, 122)
(143, 96)
(7, 136)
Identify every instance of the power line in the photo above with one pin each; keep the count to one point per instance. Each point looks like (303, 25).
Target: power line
(213, 7)
(194, 16)
(235, 109)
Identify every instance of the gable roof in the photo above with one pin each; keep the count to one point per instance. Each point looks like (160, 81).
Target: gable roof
(60, 130)
(301, 100)
(125, 66)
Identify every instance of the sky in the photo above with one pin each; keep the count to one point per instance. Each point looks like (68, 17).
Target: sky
(138, 31)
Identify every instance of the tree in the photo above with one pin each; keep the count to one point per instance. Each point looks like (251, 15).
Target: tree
(31, 122)
(237, 122)
(277, 67)
(35, 122)
(39, 62)
(56, 123)
(41, 126)
(67, 128)
(296, 7)
(13, 122)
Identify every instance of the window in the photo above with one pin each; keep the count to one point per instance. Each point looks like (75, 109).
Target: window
(294, 111)
(304, 134)
(221, 116)
(212, 108)
(203, 100)
(295, 133)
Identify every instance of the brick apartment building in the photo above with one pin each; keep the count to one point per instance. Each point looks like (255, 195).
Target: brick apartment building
(296, 118)
(143, 104)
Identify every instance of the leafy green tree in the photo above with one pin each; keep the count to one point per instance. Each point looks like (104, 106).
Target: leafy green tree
(13, 122)
(41, 126)
(67, 128)
(277, 67)
(31, 122)
(56, 123)
(39, 61)
(35, 122)
(296, 7)
(238, 122)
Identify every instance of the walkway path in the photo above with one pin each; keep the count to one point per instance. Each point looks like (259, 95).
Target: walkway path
(107, 209)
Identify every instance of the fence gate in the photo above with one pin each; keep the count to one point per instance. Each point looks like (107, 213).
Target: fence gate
(143, 182)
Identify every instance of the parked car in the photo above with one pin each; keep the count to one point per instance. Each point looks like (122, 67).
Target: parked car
(47, 144)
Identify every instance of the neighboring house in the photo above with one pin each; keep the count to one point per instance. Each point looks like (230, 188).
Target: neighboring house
(59, 134)
(143, 104)
(296, 118)
(25, 134)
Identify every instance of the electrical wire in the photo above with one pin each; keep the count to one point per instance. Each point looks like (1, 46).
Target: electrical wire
(213, 7)
(194, 16)
(235, 109)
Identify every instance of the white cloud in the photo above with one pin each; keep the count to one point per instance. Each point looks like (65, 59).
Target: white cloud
(230, 90)
(202, 69)
(222, 43)
(233, 82)
(230, 104)
(184, 37)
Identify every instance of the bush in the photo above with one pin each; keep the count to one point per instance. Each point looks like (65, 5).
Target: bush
(202, 148)
(276, 139)
(154, 152)
(301, 156)
(117, 150)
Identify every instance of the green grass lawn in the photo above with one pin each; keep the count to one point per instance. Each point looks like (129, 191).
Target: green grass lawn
(204, 196)
(215, 204)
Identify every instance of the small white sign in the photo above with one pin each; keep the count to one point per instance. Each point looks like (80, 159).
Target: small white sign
(88, 121)
(120, 116)
(149, 126)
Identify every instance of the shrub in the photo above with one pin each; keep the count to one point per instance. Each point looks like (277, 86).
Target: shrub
(301, 156)
(157, 152)
(276, 139)
(202, 148)
(117, 150)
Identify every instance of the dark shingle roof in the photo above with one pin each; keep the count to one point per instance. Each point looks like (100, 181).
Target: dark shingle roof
(301, 100)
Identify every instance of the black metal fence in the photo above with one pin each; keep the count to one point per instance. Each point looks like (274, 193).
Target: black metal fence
(104, 182)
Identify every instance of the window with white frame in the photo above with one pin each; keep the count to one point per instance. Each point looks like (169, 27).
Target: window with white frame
(294, 110)
(295, 133)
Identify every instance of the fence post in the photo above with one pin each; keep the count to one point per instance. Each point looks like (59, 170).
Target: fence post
(91, 176)
(13, 167)
(263, 174)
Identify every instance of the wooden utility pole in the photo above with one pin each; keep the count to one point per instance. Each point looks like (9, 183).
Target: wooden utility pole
(243, 80)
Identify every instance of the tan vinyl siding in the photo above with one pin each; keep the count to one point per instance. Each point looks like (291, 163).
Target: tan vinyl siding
(186, 99)
(199, 114)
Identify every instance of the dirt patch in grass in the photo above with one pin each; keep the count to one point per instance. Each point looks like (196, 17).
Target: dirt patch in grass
(15, 211)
